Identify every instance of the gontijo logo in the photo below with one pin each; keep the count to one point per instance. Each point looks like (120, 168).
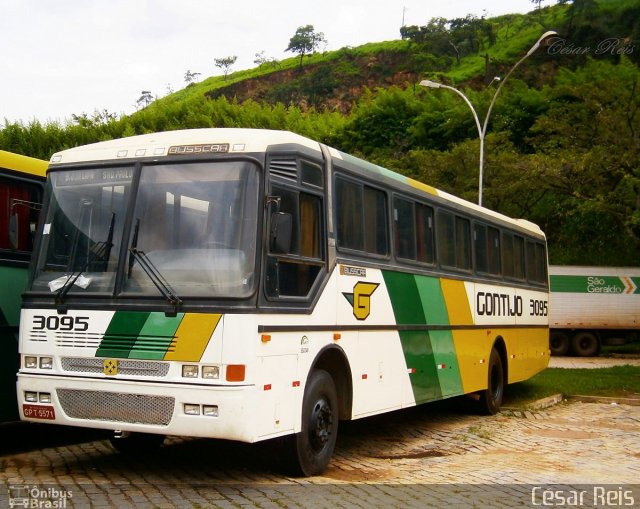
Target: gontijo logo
(360, 299)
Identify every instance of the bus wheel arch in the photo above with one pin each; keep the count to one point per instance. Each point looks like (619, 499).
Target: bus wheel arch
(333, 360)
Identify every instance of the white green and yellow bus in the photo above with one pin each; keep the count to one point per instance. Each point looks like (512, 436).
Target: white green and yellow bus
(251, 284)
(21, 188)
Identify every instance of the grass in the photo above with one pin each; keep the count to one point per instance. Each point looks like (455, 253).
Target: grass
(619, 381)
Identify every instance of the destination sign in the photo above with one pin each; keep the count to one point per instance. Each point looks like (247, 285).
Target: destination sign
(101, 176)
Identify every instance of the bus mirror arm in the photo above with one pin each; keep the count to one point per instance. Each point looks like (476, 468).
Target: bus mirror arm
(14, 219)
(13, 230)
(280, 235)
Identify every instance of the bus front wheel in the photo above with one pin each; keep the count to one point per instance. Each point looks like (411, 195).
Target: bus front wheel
(491, 398)
(311, 449)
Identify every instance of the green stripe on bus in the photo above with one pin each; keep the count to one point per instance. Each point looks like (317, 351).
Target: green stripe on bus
(139, 335)
(156, 336)
(416, 345)
(122, 333)
(444, 351)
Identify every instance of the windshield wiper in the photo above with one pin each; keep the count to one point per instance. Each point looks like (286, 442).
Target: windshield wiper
(155, 276)
(101, 250)
(151, 270)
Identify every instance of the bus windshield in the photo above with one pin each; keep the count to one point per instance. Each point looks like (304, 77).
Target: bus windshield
(194, 224)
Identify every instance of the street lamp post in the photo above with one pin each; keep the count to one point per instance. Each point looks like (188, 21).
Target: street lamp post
(482, 130)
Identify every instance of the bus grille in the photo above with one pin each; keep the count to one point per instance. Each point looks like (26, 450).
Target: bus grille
(125, 366)
(116, 406)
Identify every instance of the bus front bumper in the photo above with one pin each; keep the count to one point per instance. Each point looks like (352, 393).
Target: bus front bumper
(170, 409)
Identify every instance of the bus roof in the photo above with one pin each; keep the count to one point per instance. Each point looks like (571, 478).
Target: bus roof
(238, 141)
(208, 140)
(23, 164)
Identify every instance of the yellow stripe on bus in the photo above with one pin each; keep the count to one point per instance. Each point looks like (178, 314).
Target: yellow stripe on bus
(423, 187)
(192, 337)
(470, 345)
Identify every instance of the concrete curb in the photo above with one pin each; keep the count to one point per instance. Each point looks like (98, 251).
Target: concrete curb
(540, 404)
(550, 401)
(604, 399)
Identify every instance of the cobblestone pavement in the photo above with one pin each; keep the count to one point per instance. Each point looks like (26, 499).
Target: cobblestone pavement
(431, 456)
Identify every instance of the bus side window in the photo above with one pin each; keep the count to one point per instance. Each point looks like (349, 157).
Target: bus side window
(18, 214)
(293, 273)
(362, 222)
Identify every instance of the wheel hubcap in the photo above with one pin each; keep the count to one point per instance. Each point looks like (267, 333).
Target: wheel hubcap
(321, 424)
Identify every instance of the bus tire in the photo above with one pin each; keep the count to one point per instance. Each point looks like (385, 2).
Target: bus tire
(559, 343)
(311, 449)
(585, 344)
(133, 443)
(491, 398)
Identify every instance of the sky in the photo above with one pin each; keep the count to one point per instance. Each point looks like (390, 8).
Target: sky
(65, 57)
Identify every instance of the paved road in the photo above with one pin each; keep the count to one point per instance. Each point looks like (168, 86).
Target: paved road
(432, 456)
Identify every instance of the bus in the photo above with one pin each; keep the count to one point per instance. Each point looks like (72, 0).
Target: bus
(21, 188)
(253, 284)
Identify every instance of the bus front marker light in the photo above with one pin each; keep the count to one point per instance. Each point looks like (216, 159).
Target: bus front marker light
(30, 361)
(44, 397)
(191, 409)
(235, 372)
(189, 371)
(46, 363)
(31, 396)
(210, 410)
(211, 372)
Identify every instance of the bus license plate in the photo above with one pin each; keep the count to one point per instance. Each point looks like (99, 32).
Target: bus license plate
(38, 412)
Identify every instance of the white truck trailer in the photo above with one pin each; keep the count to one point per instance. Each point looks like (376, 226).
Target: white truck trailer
(591, 306)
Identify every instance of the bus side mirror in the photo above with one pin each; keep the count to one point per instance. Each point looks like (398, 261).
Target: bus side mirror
(280, 235)
(13, 230)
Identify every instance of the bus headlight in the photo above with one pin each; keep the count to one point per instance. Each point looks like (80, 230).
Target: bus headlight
(30, 361)
(31, 396)
(189, 371)
(210, 372)
(46, 363)
(44, 397)
(210, 410)
(190, 409)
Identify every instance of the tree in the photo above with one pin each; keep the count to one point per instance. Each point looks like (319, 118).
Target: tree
(225, 64)
(190, 77)
(261, 60)
(305, 41)
(145, 99)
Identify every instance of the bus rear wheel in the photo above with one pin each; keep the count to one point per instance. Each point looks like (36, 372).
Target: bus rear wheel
(310, 450)
(491, 398)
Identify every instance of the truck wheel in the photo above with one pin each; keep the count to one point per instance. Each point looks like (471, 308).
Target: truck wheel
(491, 398)
(559, 343)
(310, 451)
(585, 344)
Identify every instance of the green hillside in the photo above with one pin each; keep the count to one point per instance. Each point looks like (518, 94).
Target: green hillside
(562, 146)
